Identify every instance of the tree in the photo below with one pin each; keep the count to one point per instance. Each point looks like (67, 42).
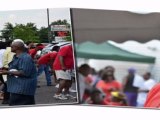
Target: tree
(61, 22)
(43, 34)
(26, 32)
(7, 31)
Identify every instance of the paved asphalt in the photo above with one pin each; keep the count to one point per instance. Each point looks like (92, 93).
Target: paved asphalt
(44, 94)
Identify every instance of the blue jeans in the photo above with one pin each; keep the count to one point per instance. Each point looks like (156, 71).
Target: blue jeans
(45, 68)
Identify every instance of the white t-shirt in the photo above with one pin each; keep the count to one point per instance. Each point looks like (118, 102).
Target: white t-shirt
(138, 81)
(1, 57)
(147, 85)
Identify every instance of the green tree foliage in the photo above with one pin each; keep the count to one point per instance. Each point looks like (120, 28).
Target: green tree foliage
(43, 34)
(29, 31)
(7, 31)
(61, 22)
(26, 32)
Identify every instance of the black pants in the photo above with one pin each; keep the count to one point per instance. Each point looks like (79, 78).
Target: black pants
(6, 94)
(1, 79)
(19, 99)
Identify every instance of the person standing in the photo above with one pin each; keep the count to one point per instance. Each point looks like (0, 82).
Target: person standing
(22, 76)
(63, 66)
(2, 50)
(131, 84)
(144, 89)
(7, 58)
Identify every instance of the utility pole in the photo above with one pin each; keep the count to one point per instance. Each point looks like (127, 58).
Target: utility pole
(48, 26)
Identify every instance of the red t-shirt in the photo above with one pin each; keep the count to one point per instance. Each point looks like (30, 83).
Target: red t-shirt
(67, 53)
(108, 101)
(153, 98)
(40, 47)
(107, 87)
(32, 52)
(46, 58)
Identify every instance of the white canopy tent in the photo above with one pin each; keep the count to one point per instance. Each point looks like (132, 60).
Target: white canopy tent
(151, 48)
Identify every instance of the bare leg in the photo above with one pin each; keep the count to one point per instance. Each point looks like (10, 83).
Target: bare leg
(62, 85)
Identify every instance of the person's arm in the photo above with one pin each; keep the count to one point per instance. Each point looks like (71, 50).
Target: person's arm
(146, 91)
(124, 82)
(61, 59)
(50, 63)
(16, 73)
(5, 59)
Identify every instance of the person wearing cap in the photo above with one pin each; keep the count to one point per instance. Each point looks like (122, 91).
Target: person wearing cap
(21, 81)
(131, 84)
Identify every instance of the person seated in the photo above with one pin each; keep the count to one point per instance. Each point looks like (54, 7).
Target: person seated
(117, 99)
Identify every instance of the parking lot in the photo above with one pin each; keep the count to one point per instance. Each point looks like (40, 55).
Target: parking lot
(44, 94)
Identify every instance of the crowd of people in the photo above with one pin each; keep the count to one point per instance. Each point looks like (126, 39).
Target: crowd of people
(103, 88)
(21, 66)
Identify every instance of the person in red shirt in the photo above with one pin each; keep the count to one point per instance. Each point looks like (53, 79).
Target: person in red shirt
(153, 98)
(116, 99)
(33, 51)
(108, 84)
(63, 66)
(44, 62)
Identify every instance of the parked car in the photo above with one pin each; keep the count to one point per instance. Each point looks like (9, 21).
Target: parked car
(55, 46)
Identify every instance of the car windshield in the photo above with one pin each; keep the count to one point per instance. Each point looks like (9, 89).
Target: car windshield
(49, 45)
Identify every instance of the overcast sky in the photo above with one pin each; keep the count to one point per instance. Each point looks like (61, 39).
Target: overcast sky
(39, 17)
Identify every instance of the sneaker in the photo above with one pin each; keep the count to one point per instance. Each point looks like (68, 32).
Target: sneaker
(60, 97)
(57, 86)
(70, 96)
(72, 90)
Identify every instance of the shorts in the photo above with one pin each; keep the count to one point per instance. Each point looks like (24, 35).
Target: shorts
(65, 75)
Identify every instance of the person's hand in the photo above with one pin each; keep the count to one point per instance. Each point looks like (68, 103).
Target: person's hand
(64, 69)
(0, 72)
(3, 72)
(112, 89)
(37, 65)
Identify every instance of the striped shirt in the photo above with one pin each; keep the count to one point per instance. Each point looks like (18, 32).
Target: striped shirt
(25, 84)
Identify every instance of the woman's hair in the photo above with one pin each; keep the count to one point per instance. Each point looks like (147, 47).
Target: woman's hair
(106, 74)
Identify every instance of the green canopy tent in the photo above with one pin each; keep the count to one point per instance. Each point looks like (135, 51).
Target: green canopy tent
(108, 51)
